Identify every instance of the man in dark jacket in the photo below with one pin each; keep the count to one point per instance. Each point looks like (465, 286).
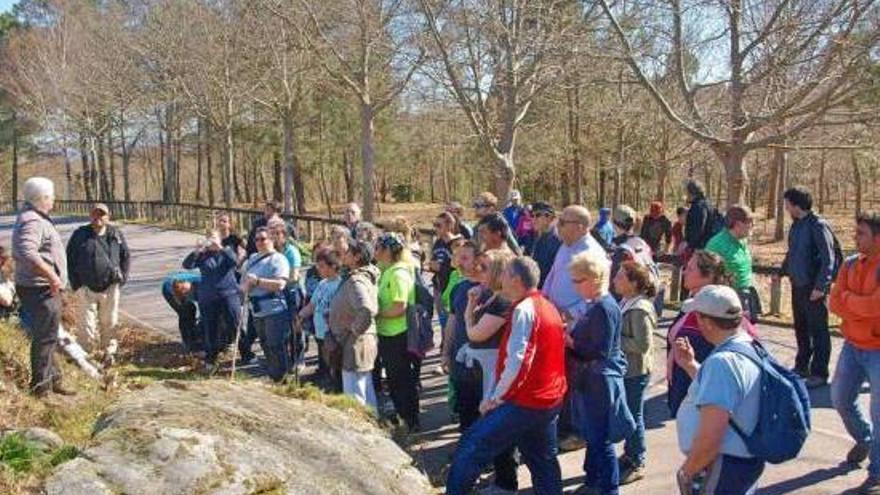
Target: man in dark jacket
(98, 262)
(548, 241)
(696, 229)
(810, 265)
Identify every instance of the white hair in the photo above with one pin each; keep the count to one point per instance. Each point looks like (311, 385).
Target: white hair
(37, 190)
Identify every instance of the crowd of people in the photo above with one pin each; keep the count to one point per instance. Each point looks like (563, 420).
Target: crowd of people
(548, 323)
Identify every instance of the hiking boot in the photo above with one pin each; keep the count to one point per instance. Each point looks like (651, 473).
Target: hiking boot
(871, 486)
(59, 389)
(631, 474)
(816, 382)
(858, 453)
(587, 490)
(571, 443)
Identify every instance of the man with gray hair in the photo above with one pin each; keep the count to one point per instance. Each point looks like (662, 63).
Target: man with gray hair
(523, 408)
(40, 275)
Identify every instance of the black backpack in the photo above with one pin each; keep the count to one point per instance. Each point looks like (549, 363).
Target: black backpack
(715, 223)
(838, 253)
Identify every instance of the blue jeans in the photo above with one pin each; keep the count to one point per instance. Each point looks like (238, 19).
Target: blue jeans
(600, 462)
(853, 368)
(634, 448)
(225, 310)
(533, 431)
(730, 475)
(274, 333)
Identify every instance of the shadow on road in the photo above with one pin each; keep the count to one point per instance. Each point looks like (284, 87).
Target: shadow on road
(808, 479)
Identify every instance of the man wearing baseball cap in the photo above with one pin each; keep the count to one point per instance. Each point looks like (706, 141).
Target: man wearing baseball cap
(98, 262)
(548, 241)
(726, 386)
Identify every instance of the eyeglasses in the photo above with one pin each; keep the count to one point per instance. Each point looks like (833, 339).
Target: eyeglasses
(481, 205)
(562, 222)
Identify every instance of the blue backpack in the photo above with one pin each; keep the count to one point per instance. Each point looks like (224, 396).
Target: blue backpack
(784, 416)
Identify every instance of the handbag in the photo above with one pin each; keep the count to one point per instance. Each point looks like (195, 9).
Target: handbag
(332, 352)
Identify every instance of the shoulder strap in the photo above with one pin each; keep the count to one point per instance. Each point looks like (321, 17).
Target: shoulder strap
(750, 351)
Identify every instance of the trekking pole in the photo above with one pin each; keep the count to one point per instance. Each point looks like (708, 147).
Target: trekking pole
(297, 328)
(241, 328)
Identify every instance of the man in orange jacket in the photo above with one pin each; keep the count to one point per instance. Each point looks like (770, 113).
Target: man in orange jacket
(855, 297)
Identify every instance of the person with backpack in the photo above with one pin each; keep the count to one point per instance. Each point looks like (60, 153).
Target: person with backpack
(732, 245)
(855, 297)
(810, 264)
(657, 229)
(702, 220)
(396, 291)
(726, 390)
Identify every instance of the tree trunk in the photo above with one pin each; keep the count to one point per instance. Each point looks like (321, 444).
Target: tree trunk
(368, 158)
(229, 178)
(780, 157)
(857, 180)
(294, 185)
(126, 159)
(14, 162)
(574, 139)
(601, 194)
(618, 166)
(209, 162)
(68, 173)
(772, 188)
(199, 160)
(733, 159)
(169, 191)
(86, 169)
(821, 188)
(277, 181)
(104, 189)
(348, 175)
(111, 160)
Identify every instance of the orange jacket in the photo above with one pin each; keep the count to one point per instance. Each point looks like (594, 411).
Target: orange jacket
(855, 297)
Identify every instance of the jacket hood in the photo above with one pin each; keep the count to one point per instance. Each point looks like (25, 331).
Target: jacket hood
(369, 273)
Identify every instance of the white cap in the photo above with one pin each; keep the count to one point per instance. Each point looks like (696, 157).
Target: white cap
(718, 301)
(514, 195)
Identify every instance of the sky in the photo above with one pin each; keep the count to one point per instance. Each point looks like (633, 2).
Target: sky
(6, 5)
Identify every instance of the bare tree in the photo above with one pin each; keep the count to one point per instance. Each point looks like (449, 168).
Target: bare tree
(371, 48)
(766, 72)
(495, 57)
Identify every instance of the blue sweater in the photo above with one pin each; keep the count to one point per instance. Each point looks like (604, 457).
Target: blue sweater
(597, 338)
(218, 274)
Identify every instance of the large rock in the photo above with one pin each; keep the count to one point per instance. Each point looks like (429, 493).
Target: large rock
(214, 437)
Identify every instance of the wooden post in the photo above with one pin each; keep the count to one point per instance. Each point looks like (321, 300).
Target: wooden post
(776, 296)
(675, 285)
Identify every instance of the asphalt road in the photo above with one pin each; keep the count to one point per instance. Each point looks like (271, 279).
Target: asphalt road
(818, 470)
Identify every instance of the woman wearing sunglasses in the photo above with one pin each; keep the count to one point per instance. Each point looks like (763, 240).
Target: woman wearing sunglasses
(267, 274)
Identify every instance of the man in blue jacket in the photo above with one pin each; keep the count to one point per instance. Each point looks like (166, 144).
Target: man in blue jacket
(809, 264)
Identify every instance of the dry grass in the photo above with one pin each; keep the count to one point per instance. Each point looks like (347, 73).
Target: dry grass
(143, 358)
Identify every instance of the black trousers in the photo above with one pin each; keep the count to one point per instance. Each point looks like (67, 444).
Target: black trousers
(44, 314)
(811, 331)
(469, 384)
(401, 378)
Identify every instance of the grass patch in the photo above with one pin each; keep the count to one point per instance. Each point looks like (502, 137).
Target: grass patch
(340, 402)
(143, 359)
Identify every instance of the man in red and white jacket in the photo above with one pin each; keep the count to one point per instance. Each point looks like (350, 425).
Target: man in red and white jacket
(523, 408)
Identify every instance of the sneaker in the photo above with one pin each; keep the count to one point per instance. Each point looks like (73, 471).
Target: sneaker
(495, 490)
(816, 382)
(871, 486)
(632, 474)
(858, 453)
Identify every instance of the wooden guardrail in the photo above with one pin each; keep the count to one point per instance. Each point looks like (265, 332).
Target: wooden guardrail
(198, 217)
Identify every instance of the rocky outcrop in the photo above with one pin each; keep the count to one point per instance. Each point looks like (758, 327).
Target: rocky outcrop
(214, 437)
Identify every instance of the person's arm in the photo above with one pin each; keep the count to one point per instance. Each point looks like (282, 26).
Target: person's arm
(850, 303)
(168, 294)
(485, 328)
(29, 249)
(124, 256)
(643, 326)
(839, 291)
(307, 311)
(400, 290)
(192, 259)
(667, 231)
(824, 242)
(448, 337)
(593, 341)
(519, 360)
(74, 245)
(366, 305)
(707, 441)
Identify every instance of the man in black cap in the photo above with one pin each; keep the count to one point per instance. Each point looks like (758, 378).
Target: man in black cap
(544, 249)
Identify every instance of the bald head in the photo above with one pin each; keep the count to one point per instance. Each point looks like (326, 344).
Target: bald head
(574, 223)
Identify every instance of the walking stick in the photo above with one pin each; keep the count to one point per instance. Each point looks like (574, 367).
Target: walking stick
(241, 328)
(297, 327)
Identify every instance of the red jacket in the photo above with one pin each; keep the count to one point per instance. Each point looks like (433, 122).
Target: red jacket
(531, 356)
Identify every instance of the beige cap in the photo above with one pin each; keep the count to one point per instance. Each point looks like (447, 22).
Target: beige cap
(101, 207)
(718, 301)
